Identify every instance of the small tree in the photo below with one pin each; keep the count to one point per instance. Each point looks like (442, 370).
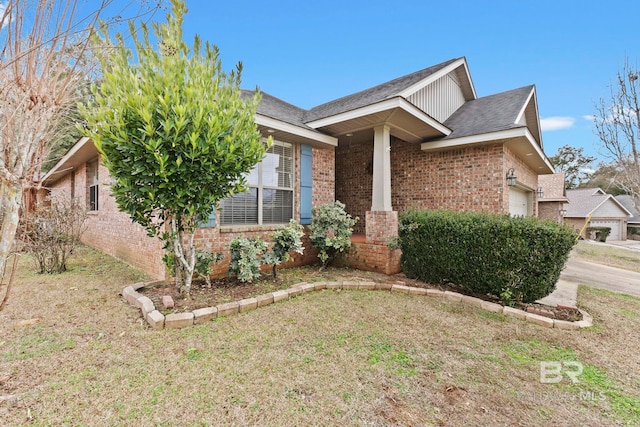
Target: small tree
(53, 232)
(174, 133)
(204, 259)
(331, 228)
(285, 240)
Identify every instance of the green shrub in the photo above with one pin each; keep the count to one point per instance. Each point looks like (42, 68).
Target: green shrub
(246, 258)
(600, 234)
(204, 259)
(331, 228)
(519, 259)
(285, 239)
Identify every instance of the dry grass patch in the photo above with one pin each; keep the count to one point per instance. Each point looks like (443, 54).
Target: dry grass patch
(323, 358)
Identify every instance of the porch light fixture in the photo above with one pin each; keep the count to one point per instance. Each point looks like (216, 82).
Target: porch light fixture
(563, 212)
(540, 193)
(511, 177)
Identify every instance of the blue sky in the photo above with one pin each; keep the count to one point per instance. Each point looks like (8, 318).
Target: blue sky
(308, 53)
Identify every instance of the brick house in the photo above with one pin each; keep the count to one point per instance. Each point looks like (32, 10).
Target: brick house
(552, 196)
(592, 207)
(424, 140)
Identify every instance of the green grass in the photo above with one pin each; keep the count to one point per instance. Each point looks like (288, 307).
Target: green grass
(324, 358)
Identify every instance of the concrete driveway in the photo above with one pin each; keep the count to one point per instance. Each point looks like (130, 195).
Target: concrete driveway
(601, 276)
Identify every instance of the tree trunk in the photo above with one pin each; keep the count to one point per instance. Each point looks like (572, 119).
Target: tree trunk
(11, 217)
(183, 264)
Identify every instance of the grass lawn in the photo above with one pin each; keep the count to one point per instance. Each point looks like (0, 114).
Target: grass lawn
(324, 358)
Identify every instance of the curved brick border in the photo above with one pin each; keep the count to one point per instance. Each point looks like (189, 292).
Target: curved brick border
(179, 320)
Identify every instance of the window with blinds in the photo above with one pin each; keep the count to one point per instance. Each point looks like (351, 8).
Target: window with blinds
(269, 199)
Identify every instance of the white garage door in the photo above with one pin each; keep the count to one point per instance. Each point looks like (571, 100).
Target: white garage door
(615, 226)
(518, 202)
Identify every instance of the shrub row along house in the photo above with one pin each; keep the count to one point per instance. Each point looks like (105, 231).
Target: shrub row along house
(423, 140)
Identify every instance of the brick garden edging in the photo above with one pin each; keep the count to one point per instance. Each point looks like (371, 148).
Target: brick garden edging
(158, 320)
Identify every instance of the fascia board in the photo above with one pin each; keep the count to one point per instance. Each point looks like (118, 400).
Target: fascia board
(388, 104)
(295, 130)
(55, 169)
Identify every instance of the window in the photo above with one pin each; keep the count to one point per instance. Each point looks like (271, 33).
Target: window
(269, 199)
(92, 183)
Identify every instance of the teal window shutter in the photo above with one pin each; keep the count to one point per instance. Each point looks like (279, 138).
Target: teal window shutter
(306, 183)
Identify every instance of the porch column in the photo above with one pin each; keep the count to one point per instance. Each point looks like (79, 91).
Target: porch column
(381, 195)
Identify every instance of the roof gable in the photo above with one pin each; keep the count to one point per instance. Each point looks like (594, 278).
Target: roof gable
(492, 113)
(586, 201)
(411, 83)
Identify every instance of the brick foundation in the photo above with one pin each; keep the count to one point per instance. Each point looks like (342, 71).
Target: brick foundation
(371, 252)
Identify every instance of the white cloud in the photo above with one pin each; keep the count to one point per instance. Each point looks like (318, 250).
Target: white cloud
(556, 123)
(589, 117)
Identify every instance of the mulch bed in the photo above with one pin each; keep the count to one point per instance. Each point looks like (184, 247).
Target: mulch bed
(230, 289)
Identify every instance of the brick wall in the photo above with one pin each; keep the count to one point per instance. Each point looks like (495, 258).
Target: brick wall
(550, 211)
(112, 231)
(354, 179)
(465, 179)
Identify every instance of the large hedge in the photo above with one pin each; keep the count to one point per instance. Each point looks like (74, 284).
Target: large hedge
(520, 258)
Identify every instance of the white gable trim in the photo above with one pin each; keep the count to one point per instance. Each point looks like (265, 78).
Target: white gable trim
(531, 98)
(435, 76)
(378, 107)
(609, 197)
(524, 107)
(295, 130)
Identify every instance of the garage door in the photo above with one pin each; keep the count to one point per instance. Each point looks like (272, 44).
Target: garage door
(518, 202)
(615, 226)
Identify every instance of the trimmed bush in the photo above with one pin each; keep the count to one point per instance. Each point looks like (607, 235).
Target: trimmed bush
(485, 253)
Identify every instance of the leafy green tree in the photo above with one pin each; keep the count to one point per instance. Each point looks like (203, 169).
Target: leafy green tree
(174, 133)
(574, 163)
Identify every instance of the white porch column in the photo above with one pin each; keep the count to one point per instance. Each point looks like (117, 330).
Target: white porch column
(381, 195)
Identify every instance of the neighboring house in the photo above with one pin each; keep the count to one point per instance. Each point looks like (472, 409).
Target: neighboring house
(633, 223)
(424, 140)
(552, 196)
(599, 209)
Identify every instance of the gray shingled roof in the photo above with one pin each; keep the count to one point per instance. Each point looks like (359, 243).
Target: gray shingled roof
(372, 95)
(488, 114)
(278, 109)
(627, 201)
(584, 201)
